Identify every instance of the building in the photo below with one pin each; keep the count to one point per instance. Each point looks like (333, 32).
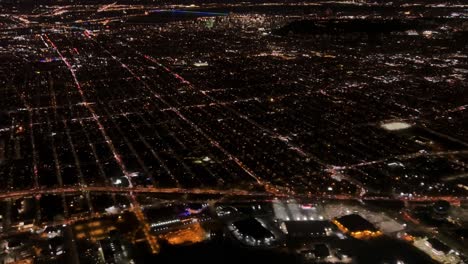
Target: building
(302, 229)
(437, 250)
(357, 226)
(252, 232)
(253, 228)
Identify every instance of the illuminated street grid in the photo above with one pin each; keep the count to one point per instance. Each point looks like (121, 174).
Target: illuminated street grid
(220, 102)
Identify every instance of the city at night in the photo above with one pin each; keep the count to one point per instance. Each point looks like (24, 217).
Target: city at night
(223, 131)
